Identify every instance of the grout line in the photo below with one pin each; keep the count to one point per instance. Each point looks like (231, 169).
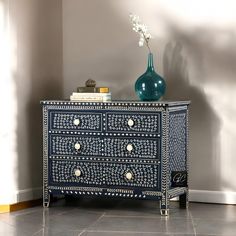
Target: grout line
(37, 232)
(83, 231)
(98, 219)
(194, 229)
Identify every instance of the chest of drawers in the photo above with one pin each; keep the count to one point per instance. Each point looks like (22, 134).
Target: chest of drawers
(120, 149)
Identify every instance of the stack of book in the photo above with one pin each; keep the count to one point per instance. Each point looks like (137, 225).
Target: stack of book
(97, 94)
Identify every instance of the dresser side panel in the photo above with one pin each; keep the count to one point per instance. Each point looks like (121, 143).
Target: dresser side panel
(178, 147)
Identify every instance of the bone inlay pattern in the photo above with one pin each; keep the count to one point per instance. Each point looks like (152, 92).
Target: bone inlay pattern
(141, 148)
(115, 149)
(177, 141)
(141, 122)
(66, 121)
(103, 173)
(66, 145)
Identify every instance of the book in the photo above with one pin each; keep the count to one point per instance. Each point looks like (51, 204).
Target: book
(101, 97)
(92, 89)
(86, 90)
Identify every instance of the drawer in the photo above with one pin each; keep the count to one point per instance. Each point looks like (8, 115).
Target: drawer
(133, 122)
(76, 173)
(75, 121)
(132, 148)
(75, 145)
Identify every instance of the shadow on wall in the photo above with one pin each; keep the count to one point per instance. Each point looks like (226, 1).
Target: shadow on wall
(204, 123)
(40, 48)
(108, 54)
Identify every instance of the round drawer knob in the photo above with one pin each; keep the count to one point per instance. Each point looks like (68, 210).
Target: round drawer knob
(76, 122)
(77, 146)
(130, 123)
(129, 147)
(78, 172)
(128, 176)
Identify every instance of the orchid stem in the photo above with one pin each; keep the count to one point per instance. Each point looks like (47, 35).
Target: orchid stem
(146, 41)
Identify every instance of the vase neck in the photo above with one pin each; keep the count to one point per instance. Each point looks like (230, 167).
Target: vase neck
(150, 66)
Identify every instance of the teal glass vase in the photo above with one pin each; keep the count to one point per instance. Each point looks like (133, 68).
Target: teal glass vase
(150, 86)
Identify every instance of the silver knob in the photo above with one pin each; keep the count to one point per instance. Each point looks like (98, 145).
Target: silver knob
(129, 147)
(130, 123)
(76, 121)
(78, 172)
(77, 146)
(128, 175)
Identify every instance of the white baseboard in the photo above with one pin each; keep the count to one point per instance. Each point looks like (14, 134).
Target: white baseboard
(29, 194)
(222, 197)
(21, 196)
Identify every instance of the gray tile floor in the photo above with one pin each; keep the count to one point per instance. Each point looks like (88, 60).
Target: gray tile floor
(109, 217)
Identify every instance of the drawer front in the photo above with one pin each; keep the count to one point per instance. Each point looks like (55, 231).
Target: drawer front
(75, 121)
(75, 145)
(103, 174)
(131, 147)
(133, 122)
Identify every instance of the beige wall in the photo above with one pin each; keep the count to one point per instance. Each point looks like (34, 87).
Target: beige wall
(194, 50)
(34, 28)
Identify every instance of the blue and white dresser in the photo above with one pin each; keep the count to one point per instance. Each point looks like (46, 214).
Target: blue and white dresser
(120, 149)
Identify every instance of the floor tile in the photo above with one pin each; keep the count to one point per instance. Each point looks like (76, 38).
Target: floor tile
(146, 209)
(76, 219)
(141, 224)
(215, 234)
(213, 211)
(113, 217)
(112, 233)
(6, 229)
(218, 227)
(28, 222)
(49, 232)
(24, 225)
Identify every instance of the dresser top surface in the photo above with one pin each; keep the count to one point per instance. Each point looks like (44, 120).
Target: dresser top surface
(116, 103)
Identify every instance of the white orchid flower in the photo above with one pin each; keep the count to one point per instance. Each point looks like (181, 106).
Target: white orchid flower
(142, 30)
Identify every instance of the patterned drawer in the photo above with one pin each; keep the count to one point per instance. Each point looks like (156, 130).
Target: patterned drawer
(133, 122)
(75, 145)
(76, 121)
(104, 173)
(131, 147)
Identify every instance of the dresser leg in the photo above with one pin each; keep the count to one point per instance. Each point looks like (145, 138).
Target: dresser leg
(164, 206)
(46, 204)
(46, 200)
(183, 201)
(164, 212)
